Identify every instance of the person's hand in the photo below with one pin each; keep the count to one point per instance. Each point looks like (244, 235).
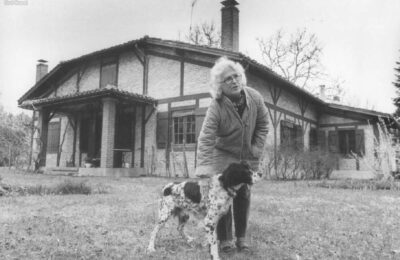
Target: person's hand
(204, 171)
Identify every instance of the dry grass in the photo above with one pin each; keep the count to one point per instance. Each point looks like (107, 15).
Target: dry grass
(292, 220)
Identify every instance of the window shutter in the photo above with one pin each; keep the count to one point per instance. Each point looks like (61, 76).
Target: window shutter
(360, 147)
(321, 140)
(162, 130)
(53, 137)
(333, 141)
(299, 138)
(200, 115)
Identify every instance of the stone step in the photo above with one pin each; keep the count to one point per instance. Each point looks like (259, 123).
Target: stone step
(70, 171)
(63, 169)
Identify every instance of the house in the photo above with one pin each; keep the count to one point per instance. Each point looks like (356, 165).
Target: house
(137, 106)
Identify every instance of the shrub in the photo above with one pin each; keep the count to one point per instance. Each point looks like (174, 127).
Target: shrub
(64, 188)
(295, 164)
(69, 187)
(359, 184)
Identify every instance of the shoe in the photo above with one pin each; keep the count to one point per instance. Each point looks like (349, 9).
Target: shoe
(227, 246)
(242, 246)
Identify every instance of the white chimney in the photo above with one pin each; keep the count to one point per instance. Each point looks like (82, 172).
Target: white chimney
(230, 25)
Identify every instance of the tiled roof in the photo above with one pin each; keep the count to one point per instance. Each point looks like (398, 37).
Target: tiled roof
(173, 44)
(184, 46)
(359, 110)
(109, 91)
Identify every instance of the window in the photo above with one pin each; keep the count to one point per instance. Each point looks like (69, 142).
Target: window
(184, 127)
(291, 135)
(313, 139)
(53, 139)
(347, 142)
(108, 73)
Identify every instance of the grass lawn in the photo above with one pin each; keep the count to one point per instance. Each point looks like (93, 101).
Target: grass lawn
(288, 220)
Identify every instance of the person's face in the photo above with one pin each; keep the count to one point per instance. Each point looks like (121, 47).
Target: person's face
(231, 82)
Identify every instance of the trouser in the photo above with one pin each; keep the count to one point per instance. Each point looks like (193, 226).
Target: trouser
(241, 206)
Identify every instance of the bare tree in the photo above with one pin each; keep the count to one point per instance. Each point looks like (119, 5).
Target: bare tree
(296, 58)
(205, 34)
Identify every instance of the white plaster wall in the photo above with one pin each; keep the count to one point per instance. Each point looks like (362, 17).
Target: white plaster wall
(196, 79)
(68, 86)
(130, 73)
(91, 77)
(164, 77)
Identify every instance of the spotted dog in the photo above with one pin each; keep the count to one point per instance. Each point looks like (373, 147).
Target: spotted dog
(209, 201)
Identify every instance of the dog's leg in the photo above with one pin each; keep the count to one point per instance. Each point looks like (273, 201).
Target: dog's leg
(166, 207)
(210, 223)
(183, 218)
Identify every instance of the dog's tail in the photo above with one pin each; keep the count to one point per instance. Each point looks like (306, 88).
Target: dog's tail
(167, 190)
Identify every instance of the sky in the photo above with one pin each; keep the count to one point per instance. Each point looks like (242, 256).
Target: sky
(360, 38)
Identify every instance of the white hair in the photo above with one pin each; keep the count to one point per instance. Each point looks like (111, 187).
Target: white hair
(218, 69)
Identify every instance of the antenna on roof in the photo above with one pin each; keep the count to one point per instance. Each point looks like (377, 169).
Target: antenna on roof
(191, 15)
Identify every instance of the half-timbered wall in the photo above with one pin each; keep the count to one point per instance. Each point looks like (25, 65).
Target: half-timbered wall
(180, 81)
(87, 76)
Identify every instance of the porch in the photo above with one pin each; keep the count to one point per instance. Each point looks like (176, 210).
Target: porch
(102, 132)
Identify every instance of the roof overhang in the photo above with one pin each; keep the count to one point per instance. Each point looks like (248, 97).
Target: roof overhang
(356, 110)
(87, 97)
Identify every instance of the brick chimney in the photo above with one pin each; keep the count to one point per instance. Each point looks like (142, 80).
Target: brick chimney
(41, 69)
(230, 25)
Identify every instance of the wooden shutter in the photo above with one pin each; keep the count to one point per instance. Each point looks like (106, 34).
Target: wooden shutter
(299, 138)
(53, 138)
(321, 140)
(162, 130)
(199, 117)
(333, 141)
(360, 147)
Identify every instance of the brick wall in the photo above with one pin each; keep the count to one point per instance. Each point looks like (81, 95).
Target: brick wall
(150, 138)
(67, 147)
(108, 130)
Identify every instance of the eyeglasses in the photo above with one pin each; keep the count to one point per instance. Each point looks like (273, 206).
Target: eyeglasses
(231, 79)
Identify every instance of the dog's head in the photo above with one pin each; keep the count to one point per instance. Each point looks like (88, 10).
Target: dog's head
(239, 173)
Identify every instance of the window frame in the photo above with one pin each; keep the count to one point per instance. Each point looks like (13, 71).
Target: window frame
(293, 143)
(184, 115)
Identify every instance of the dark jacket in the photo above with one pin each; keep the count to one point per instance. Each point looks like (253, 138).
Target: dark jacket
(226, 137)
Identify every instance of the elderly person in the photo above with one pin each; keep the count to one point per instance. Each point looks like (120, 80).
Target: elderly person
(234, 129)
